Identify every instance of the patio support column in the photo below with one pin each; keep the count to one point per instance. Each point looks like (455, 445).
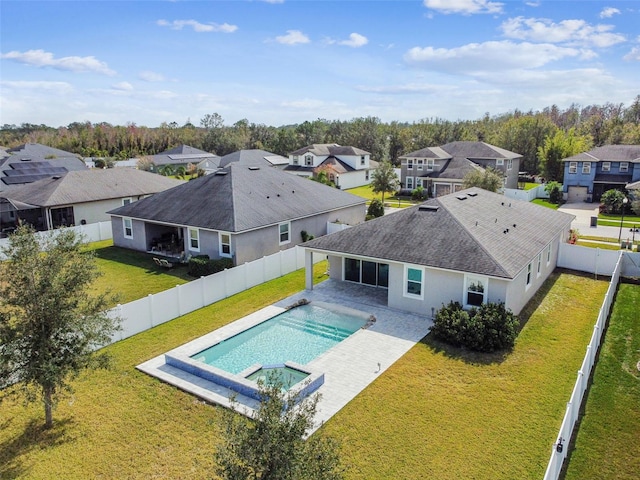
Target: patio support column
(308, 269)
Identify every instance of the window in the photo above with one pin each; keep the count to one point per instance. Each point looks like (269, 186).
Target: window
(499, 161)
(352, 270)
(366, 175)
(126, 201)
(418, 182)
(295, 160)
(410, 163)
(410, 183)
(368, 273)
(475, 290)
(413, 285)
(308, 161)
(362, 160)
(420, 163)
(573, 167)
(429, 163)
(528, 276)
(283, 231)
(606, 166)
(509, 164)
(624, 167)
(548, 254)
(128, 227)
(539, 271)
(194, 239)
(586, 167)
(225, 244)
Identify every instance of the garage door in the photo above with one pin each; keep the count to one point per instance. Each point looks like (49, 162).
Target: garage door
(577, 194)
(442, 189)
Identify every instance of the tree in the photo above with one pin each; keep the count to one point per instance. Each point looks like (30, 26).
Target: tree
(50, 323)
(166, 170)
(557, 147)
(272, 445)
(554, 189)
(384, 179)
(375, 210)
(487, 179)
(613, 200)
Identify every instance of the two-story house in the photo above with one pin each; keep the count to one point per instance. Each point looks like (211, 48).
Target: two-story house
(588, 175)
(441, 170)
(346, 167)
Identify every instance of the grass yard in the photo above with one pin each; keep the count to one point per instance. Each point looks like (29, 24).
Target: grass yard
(132, 274)
(437, 413)
(392, 201)
(613, 220)
(545, 203)
(606, 446)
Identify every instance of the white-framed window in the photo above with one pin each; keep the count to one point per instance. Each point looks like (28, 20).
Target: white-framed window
(509, 164)
(414, 282)
(410, 163)
(362, 160)
(308, 161)
(420, 164)
(294, 160)
(410, 183)
(418, 182)
(126, 201)
(224, 243)
(624, 167)
(366, 175)
(606, 166)
(499, 161)
(127, 226)
(586, 167)
(475, 290)
(429, 162)
(284, 232)
(528, 276)
(539, 270)
(548, 254)
(573, 167)
(194, 239)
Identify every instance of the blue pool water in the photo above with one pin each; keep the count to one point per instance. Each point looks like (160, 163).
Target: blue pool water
(298, 335)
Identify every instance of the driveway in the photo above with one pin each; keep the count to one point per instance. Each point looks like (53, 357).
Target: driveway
(583, 212)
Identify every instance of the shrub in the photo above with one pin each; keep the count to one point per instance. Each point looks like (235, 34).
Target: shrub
(612, 199)
(305, 236)
(376, 209)
(419, 193)
(201, 265)
(554, 189)
(487, 328)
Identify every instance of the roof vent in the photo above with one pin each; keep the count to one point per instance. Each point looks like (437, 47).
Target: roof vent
(461, 197)
(472, 194)
(428, 208)
(254, 168)
(25, 159)
(57, 177)
(220, 172)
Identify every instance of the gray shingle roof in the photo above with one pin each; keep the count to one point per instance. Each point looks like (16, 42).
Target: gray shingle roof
(329, 149)
(608, 153)
(478, 150)
(90, 185)
(428, 152)
(455, 169)
(463, 235)
(239, 198)
(182, 155)
(253, 157)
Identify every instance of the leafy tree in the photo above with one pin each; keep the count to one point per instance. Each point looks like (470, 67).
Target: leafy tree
(321, 175)
(557, 147)
(50, 323)
(384, 179)
(487, 179)
(272, 445)
(613, 200)
(375, 210)
(419, 193)
(554, 189)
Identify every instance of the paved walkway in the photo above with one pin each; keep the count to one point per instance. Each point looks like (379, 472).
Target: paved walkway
(349, 367)
(583, 212)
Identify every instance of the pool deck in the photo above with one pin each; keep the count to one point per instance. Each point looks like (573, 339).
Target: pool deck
(349, 367)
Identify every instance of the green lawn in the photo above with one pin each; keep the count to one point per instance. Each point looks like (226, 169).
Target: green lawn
(392, 201)
(606, 446)
(438, 412)
(133, 275)
(545, 203)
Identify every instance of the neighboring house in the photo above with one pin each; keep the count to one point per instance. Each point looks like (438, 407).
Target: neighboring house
(589, 174)
(32, 162)
(471, 247)
(346, 167)
(441, 170)
(239, 212)
(181, 156)
(78, 198)
(253, 157)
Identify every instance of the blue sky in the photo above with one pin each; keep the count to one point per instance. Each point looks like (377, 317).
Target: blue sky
(281, 62)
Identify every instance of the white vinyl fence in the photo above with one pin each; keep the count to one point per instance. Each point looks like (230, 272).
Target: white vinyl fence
(526, 195)
(145, 313)
(597, 260)
(561, 447)
(93, 232)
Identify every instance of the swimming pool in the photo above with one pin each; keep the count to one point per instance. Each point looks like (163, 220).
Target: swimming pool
(286, 342)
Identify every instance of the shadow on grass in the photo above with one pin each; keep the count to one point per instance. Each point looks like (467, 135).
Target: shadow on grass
(141, 260)
(35, 436)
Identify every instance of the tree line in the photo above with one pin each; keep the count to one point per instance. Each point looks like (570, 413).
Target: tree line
(517, 131)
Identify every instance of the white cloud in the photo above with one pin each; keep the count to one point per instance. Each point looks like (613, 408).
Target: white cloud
(490, 57)
(149, 76)
(409, 88)
(532, 4)
(570, 32)
(609, 12)
(634, 54)
(355, 40)
(273, 1)
(293, 37)
(40, 58)
(465, 7)
(123, 86)
(197, 26)
(58, 88)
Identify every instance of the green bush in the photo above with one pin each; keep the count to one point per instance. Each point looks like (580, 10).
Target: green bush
(201, 265)
(376, 209)
(554, 189)
(419, 194)
(486, 328)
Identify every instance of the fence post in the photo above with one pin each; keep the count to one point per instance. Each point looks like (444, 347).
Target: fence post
(202, 289)
(150, 300)
(179, 300)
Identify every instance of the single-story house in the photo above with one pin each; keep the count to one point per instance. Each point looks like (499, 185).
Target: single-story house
(346, 167)
(441, 170)
(252, 157)
(588, 175)
(181, 156)
(472, 247)
(78, 197)
(32, 162)
(239, 212)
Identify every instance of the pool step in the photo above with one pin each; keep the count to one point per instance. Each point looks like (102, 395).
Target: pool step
(326, 331)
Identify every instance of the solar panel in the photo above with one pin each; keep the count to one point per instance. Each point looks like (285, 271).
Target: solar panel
(24, 179)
